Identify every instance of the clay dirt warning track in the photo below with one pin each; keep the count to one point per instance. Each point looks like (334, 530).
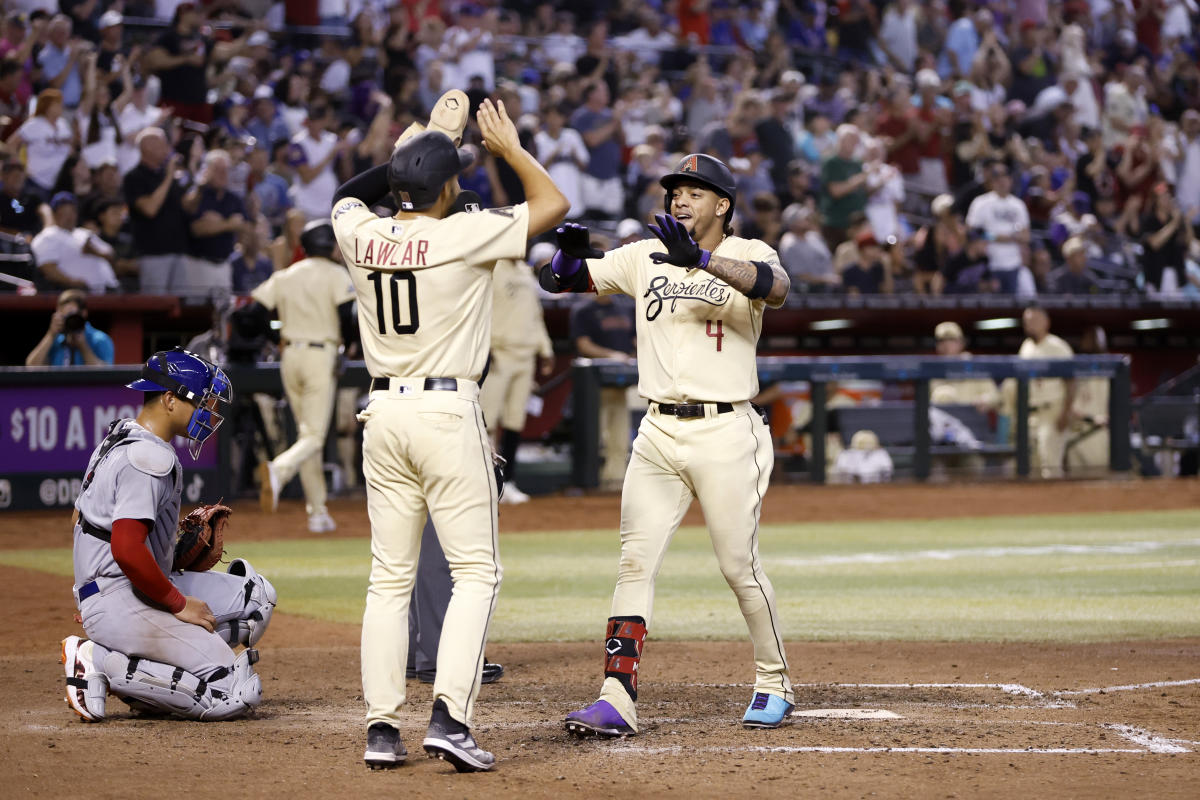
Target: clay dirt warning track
(879, 719)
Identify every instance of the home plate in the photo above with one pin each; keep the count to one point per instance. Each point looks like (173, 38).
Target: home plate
(847, 713)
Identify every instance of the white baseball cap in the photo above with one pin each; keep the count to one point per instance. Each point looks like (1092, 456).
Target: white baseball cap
(109, 19)
(630, 227)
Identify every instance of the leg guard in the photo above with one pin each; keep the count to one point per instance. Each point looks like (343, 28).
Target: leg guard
(151, 685)
(623, 651)
(260, 598)
(87, 687)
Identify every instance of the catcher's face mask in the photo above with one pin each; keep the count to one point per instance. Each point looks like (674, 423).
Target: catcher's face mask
(205, 419)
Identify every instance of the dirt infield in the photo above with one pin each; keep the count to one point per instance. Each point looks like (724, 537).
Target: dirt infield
(970, 720)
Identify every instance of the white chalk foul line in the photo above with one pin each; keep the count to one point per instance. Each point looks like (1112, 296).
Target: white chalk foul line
(892, 557)
(654, 751)
(1129, 687)
(1153, 743)
(1007, 688)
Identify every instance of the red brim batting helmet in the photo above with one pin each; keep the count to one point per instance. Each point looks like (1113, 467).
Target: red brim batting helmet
(704, 170)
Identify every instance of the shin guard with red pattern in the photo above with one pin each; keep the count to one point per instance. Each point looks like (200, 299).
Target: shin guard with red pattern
(623, 651)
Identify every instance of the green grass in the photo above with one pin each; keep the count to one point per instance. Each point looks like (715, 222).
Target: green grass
(1086, 577)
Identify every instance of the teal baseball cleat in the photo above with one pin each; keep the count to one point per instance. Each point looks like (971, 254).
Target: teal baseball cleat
(766, 711)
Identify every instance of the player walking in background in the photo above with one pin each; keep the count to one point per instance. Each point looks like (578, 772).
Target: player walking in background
(519, 343)
(1050, 399)
(424, 287)
(161, 640)
(312, 298)
(699, 316)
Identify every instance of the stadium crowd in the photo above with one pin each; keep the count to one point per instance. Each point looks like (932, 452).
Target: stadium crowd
(882, 146)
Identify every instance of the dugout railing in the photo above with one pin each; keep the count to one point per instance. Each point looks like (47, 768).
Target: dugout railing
(589, 375)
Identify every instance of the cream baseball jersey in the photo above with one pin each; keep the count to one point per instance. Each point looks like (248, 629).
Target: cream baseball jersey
(307, 295)
(517, 322)
(696, 335)
(1044, 392)
(424, 285)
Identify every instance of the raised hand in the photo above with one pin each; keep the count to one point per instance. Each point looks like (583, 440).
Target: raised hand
(682, 250)
(574, 241)
(499, 133)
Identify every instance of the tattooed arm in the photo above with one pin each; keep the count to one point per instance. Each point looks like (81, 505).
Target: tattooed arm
(741, 275)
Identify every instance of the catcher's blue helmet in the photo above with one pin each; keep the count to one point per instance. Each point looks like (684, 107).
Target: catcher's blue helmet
(191, 378)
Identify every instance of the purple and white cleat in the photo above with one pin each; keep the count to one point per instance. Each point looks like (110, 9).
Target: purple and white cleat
(598, 719)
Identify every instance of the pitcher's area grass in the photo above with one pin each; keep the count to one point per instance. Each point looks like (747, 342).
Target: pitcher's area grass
(1068, 578)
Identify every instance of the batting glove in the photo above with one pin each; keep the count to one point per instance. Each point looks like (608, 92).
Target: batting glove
(682, 250)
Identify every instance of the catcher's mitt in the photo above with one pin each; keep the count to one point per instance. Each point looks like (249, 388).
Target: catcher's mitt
(200, 542)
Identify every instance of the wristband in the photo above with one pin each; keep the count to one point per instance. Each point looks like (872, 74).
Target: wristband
(564, 266)
(763, 282)
(705, 257)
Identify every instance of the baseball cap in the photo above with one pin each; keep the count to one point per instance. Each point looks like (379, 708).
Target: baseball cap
(1072, 246)
(629, 227)
(947, 330)
(110, 19)
(62, 199)
(928, 78)
(865, 239)
(421, 166)
(258, 39)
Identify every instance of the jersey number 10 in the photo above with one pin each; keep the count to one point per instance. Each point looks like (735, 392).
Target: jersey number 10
(394, 281)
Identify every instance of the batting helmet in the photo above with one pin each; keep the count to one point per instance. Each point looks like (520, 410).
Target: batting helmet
(194, 379)
(317, 239)
(704, 170)
(420, 167)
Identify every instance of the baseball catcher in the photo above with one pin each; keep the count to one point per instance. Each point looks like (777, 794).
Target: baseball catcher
(161, 627)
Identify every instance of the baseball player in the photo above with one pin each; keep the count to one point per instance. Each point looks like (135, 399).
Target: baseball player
(312, 297)
(1087, 446)
(159, 640)
(1050, 399)
(423, 282)
(979, 392)
(699, 315)
(519, 338)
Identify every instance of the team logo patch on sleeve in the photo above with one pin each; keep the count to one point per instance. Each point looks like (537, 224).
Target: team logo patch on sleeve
(347, 205)
(504, 211)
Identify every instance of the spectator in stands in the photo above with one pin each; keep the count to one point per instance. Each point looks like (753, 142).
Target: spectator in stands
(312, 154)
(843, 186)
(885, 189)
(1005, 220)
(1034, 66)
(160, 231)
(898, 34)
(70, 257)
(1073, 276)
(804, 253)
(818, 141)
(1166, 236)
(48, 138)
(108, 220)
(871, 273)
(60, 60)
(1050, 399)
(12, 108)
(1188, 168)
(561, 150)
(1125, 106)
(962, 40)
(217, 217)
(251, 264)
(71, 339)
(18, 207)
(827, 101)
(966, 271)
(603, 327)
(932, 115)
(266, 125)
(180, 58)
(112, 54)
(268, 193)
(133, 117)
(601, 130)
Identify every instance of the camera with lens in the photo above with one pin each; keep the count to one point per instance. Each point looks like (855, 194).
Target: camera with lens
(73, 322)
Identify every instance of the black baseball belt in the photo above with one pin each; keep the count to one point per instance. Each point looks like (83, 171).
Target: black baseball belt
(305, 343)
(691, 410)
(431, 384)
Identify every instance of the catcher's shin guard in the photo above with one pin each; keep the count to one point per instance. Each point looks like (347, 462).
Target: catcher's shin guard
(152, 685)
(623, 651)
(260, 599)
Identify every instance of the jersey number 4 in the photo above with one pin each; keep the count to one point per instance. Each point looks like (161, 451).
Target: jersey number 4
(715, 333)
(394, 281)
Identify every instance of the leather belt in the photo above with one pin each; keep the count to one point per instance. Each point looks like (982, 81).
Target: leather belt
(691, 410)
(95, 530)
(431, 384)
(302, 343)
(87, 590)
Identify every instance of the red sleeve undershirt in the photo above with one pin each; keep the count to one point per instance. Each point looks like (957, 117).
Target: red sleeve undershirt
(134, 558)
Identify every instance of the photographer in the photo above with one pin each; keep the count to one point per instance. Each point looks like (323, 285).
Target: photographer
(71, 339)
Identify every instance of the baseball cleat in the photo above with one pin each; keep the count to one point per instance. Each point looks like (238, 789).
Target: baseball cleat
(321, 523)
(86, 688)
(450, 740)
(384, 747)
(268, 487)
(513, 496)
(490, 674)
(598, 719)
(766, 711)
